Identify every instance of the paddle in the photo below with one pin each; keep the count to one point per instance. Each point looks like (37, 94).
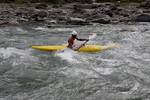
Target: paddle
(90, 37)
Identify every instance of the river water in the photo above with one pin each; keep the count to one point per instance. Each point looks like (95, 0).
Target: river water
(121, 73)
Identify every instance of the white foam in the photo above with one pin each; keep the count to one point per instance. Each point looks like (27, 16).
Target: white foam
(105, 71)
(68, 55)
(64, 29)
(20, 30)
(18, 55)
(79, 72)
(42, 29)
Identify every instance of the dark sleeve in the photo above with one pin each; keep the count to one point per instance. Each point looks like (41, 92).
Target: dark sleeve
(82, 39)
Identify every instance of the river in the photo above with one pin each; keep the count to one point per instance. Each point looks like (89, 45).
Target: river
(121, 73)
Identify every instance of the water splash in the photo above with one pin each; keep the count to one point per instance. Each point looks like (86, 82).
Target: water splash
(68, 55)
(17, 56)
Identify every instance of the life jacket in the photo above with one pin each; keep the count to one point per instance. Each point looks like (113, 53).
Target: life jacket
(71, 42)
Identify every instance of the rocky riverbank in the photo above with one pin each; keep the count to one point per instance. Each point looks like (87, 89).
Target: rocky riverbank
(74, 13)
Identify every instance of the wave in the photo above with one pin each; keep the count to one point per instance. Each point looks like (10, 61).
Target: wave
(16, 56)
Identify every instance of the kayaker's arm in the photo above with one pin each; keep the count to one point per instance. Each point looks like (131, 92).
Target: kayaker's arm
(82, 39)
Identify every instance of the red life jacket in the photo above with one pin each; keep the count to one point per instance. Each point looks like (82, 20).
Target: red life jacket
(70, 42)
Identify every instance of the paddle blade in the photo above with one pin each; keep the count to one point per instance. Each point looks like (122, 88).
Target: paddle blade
(92, 36)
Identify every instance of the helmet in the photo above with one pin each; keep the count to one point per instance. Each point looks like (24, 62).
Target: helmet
(74, 33)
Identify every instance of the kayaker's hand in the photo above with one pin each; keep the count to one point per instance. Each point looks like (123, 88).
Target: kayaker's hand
(87, 39)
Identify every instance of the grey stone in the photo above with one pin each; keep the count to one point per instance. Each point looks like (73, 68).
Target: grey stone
(142, 18)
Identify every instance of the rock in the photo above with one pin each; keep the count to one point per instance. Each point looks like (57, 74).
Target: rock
(39, 15)
(62, 19)
(78, 10)
(86, 1)
(41, 6)
(81, 1)
(3, 22)
(145, 4)
(101, 21)
(8, 22)
(107, 11)
(51, 21)
(77, 21)
(77, 13)
(123, 19)
(21, 12)
(13, 22)
(146, 11)
(113, 7)
(42, 13)
(86, 6)
(23, 19)
(99, 18)
(142, 18)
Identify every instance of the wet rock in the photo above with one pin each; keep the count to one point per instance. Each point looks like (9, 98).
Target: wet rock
(22, 12)
(56, 12)
(103, 19)
(113, 7)
(3, 22)
(123, 19)
(81, 1)
(107, 11)
(77, 21)
(13, 22)
(8, 22)
(51, 21)
(142, 18)
(62, 19)
(124, 13)
(86, 1)
(145, 4)
(74, 13)
(77, 10)
(94, 15)
(41, 6)
(39, 15)
(86, 6)
(23, 20)
(146, 11)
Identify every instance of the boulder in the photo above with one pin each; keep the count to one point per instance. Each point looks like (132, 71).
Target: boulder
(87, 6)
(107, 11)
(39, 15)
(8, 22)
(81, 1)
(145, 4)
(142, 18)
(50, 21)
(3, 22)
(41, 6)
(86, 1)
(23, 20)
(146, 11)
(101, 21)
(13, 22)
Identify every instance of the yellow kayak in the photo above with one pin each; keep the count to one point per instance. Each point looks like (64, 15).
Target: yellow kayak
(86, 48)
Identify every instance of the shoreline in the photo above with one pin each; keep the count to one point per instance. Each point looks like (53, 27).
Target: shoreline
(73, 14)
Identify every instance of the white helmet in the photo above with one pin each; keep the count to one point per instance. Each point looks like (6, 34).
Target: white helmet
(74, 33)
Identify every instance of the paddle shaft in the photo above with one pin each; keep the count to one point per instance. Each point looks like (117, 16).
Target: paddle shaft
(90, 37)
(80, 46)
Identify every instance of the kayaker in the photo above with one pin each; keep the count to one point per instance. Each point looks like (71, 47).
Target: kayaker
(73, 38)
